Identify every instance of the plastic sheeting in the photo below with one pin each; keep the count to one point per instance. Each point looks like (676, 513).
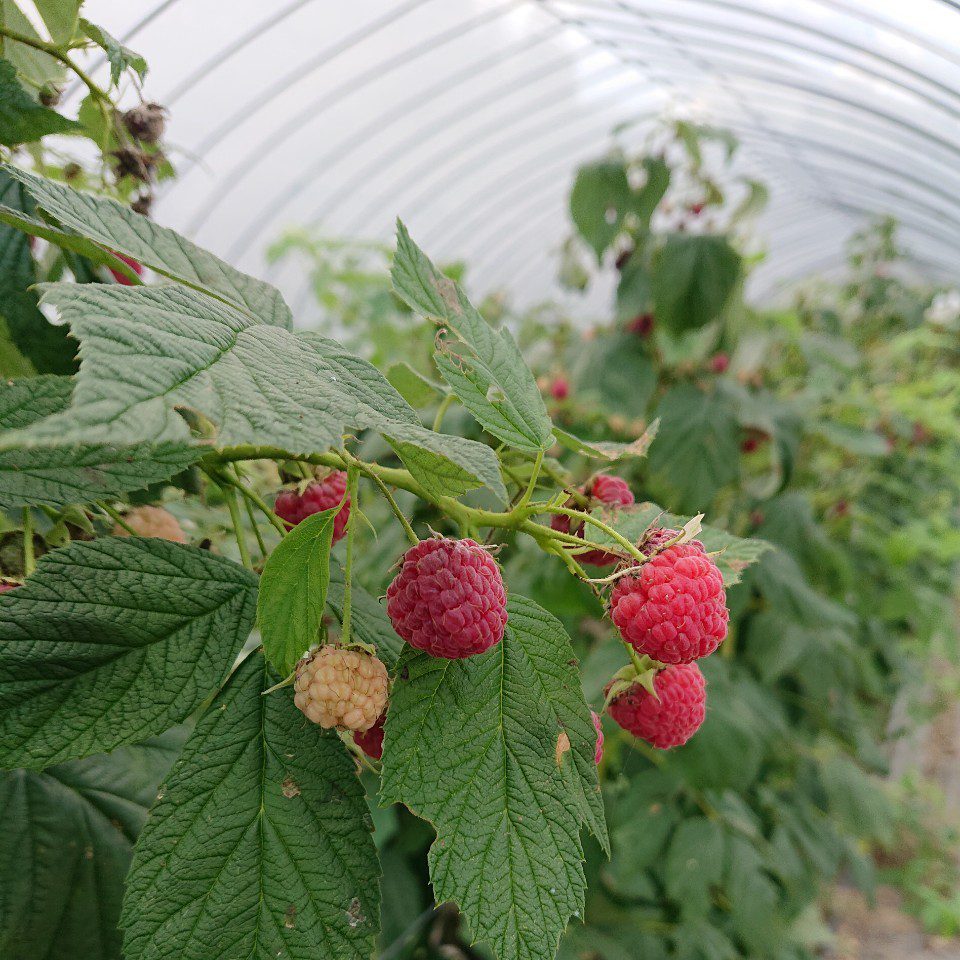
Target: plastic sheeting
(468, 120)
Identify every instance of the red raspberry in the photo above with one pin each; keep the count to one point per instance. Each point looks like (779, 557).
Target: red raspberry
(598, 752)
(641, 325)
(371, 741)
(4, 587)
(560, 388)
(719, 362)
(448, 599)
(670, 718)
(605, 489)
(134, 265)
(675, 608)
(292, 507)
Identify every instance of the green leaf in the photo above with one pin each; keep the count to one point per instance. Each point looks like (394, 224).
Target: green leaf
(113, 641)
(68, 846)
(60, 17)
(442, 476)
(116, 227)
(598, 202)
(646, 200)
(692, 280)
(415, 388)
(697, 451)
(369, 621)
(47, 347)
(55, 472)
(482, 365)
(22, 119)
(609, 450)
(293, 590)
(34, 66)
(694, 864)
(260, 845)
(120, 57)
(496, 751)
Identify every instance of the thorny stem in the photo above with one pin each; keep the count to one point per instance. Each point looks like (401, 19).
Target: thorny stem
(28, 558)
(116, 517)
(397, 512)
(353, 491)
(600, 525)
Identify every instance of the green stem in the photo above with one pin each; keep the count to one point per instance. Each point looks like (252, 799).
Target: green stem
(253, 497)
(116, 517)
(252, 517)
(28, 559)
(397, 512)
(600, 525)
(230, 495)
(532, 485)
(441, 410)
(353, 491)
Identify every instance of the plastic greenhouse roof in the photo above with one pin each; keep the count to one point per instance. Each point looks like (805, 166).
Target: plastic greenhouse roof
(469, 119)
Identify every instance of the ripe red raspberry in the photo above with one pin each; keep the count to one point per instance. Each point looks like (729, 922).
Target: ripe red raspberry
(448, 599)
(607, 490)
(341, 688)
(559, 388)
(598, 752)
(670, 718)
(149, 521)
(371, 741)
(292, 507)
(134, 265)
(674, 609)
(719, 362)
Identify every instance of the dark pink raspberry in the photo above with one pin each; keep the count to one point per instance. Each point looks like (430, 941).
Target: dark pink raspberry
(134, 265)
(293, 507)
(448, 599)
(719, 362)
(371, 741)
(605, 490)
(674, 609)
(598, 752)
(560, 388)
(670, 718)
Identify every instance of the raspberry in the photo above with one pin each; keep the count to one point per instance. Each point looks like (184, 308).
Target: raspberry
(371, 741)
(670, 718)
(605, 489)
(151, 522)
(134, 265)
(292, 506)
(674, 608)
(719, 362)
(560, 388)
(598, 752)
(641, 325)
(146, 122)
(341, 688)
(448, 599)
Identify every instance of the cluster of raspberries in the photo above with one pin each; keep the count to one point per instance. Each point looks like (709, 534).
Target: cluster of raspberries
(673, 610)
(448, 600)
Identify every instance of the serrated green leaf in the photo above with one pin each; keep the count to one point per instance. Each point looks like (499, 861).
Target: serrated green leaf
(54, 473)
(22, 119)
(608, 450)
(646, 200)
(692, 279)
(120, 57)
(483, 749)
(415, 388)
(293, 590)
(118, 228)
(260, 845)
(46, 347)
(442, 477)
(482, 365)
(113, 641)
(60, 17)
(694, 864)
(697, 451)
(35, 66)
(67, 847)
(598, 202)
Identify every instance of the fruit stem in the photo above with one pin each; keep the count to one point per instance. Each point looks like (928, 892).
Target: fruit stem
(28, 559)
(532, 485)
(600, 525)
(397, 512)
(260, 503)
(230, 495)
(116, 517)
(353, 492)
(441, 410)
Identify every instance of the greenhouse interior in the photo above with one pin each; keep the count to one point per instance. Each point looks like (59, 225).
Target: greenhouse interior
(480, 481)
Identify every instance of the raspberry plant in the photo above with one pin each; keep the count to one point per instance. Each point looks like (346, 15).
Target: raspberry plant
(260, 841)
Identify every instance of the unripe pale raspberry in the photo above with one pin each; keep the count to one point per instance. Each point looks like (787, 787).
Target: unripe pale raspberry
(598, 752)
(675, 608)
(670, 718)
(605, 490)
(448, 599)
(151, 522)
(341, 688)
(371, 741)
(292, 506)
